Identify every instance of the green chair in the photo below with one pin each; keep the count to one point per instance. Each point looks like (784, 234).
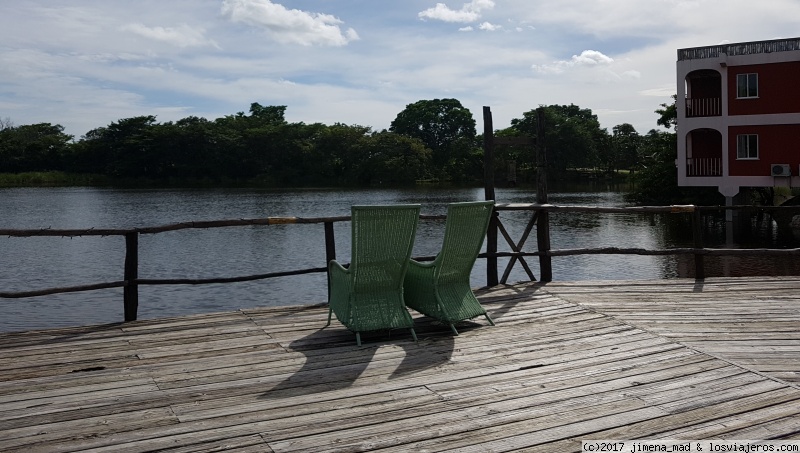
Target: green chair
(440, 289)
(369, 294)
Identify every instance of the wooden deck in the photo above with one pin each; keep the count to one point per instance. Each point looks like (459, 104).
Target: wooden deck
(567, 361)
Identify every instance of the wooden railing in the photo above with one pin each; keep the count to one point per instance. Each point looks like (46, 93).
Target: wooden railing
(704, 166)
(745, 48)
(516, 248)
(130, 281)
(701, 107)
(698, 250)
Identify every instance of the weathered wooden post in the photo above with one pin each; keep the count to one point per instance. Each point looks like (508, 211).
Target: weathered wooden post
(543, 223)
(131, 289)
(488, 171)
(330, 251)
(697, 236)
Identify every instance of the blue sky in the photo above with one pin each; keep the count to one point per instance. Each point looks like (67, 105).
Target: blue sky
(84, 64)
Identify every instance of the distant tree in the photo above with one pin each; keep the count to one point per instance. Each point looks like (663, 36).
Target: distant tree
(125, 148)
(273, 114)
(6, 123)
(443, 125)
(573, 136)
(625, 143)
(339, 152)
(668, 114)
(394, 159)
(33, 147)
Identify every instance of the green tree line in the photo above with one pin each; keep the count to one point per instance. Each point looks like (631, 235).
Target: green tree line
(430, 139)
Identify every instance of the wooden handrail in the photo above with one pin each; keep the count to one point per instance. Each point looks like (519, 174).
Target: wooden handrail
(131, 281)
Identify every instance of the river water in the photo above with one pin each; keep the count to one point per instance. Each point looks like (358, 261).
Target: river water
(43, 262)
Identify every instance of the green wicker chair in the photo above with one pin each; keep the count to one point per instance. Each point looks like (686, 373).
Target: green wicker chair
(369, 294)
(441, 289)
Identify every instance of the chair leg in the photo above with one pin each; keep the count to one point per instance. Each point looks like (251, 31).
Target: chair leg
(330, 312)
(358, 338)
(414, 334)
(489, 319)
(453, 328)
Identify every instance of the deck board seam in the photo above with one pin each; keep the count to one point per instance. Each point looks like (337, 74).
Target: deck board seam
(673, 340)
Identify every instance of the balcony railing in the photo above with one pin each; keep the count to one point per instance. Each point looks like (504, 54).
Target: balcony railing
(704, 166)
(703, 107)
(743, 48)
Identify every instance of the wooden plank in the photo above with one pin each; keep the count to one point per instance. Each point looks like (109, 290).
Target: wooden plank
(566, 360)
(679, 425)
(95, 426)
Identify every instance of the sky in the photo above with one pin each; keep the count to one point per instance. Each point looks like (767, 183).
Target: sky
(84, 64)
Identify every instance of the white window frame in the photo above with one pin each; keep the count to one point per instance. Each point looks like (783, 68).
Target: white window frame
(748, 81)
(744, 147)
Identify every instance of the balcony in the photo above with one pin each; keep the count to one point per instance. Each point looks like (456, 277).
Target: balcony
(700, 107)
(744, 48)
(705, 166)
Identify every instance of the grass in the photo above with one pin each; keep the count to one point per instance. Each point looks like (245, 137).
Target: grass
(51, 179)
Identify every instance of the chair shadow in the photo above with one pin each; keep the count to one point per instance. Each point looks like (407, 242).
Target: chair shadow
(320, 374)
(434, 349)
(498, 307)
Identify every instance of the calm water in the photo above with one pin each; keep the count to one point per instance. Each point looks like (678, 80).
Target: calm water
(36, 263)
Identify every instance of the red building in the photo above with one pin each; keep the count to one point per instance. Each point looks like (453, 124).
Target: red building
(739, 115)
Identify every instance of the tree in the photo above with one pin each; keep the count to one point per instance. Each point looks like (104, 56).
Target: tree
(394, 159)
(573, 136)
(125, 147)
(441, 124)
(33, 147)
(338, 153)
(273, 114)
(6, 123)
(668, 114)
(625, 143)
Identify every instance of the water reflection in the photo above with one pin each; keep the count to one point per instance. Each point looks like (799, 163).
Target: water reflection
(35, 263)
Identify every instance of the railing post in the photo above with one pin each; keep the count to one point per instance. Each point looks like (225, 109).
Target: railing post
(330, 251)
(543, 223)
(488, 168)
(131, 289)
(697, 236)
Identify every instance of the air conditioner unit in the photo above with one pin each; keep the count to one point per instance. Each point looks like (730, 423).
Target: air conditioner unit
(780, 170)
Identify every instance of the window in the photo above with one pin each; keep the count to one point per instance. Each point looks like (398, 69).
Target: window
(747, 146)
(747, 85)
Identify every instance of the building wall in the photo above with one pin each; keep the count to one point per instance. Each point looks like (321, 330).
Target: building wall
(774, 116)
(778, 89)
(777, 144)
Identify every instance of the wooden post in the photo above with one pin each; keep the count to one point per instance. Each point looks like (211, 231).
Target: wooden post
(330, 251)
(697, 236)
(488, 172)
(543, 224)
(131, 289)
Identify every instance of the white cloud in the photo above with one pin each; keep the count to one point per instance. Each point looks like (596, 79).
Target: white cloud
(586, 58)
(289, 26)
(591, 58)
(182, 36)
(660, 92)
(73, 66)
(486, 26)
(469, 12)
(632, 74)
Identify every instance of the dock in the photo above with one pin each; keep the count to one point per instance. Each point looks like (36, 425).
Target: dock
(567, 361)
